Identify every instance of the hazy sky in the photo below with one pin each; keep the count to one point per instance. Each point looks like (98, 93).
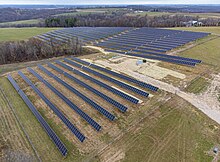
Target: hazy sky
(75, 2)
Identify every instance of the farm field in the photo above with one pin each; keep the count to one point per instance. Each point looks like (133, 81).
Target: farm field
(90, 11)
(30, 22)
(214, 30)
(15, 34)
(200, 15)
(169, 125)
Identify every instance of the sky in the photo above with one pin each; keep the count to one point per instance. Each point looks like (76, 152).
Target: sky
(78, 2)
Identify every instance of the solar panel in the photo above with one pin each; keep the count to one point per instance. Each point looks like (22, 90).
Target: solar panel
(53, 136)
(73, 129)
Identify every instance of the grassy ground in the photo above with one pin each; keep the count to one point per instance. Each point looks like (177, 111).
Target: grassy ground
(150, 14)
(176, 132)
(14, 34)
(42, 143)
(89, 11)
(33, 21)
(197, 86)
(9, 130)
(200, 15)
(208, 52)
(213, 29)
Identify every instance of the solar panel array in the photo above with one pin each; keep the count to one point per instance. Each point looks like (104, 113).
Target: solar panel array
(121, 76)
(121, 84)
(59, 144)
(106, 86)
(86, 99)
(121, 107)
(66, 121)
(150, 43)
(85, 34)
(58, 112)
(86, 117)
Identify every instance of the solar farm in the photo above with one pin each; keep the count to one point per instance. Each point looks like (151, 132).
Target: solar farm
(96, 101)
(147, 43)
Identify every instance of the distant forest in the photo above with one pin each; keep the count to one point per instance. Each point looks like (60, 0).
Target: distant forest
(16, 14)
(122, 20)
(56, 17)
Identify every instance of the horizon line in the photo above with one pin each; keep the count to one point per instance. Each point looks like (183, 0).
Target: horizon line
(114, 4)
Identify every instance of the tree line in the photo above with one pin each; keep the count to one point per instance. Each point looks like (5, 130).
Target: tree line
(118, 19)
(35, 49)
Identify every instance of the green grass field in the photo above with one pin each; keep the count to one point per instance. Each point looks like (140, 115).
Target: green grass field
(15, 34)
(197, 86)
(208, 51)
(176, 132)
(89, 11)
(149, 14)
(213, 29)
(200, 15)
(29, 22)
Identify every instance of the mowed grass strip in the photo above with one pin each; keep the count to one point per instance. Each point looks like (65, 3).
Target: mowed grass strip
(197, 85)
(16, 34)
(32, 21)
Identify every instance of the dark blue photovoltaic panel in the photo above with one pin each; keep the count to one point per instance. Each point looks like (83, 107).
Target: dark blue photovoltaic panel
(59, 144)
(86, 99)
(121, 107)
(121, 84)
(142, 84)
(113, 90)
(73, 129)
(86, 117)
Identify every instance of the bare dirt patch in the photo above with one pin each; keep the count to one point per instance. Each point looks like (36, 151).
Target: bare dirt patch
(150, 68)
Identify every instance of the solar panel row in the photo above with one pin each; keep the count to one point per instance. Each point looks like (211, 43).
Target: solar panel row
(86, 99)
(121, 84)
(85, 116)
(59, 144)
(113, 90)
(157, 58)
(121, 107)
(122, 76)
(73, 129)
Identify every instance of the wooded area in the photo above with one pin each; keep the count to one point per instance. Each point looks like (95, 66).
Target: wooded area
(35, 49)
(119, 19)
